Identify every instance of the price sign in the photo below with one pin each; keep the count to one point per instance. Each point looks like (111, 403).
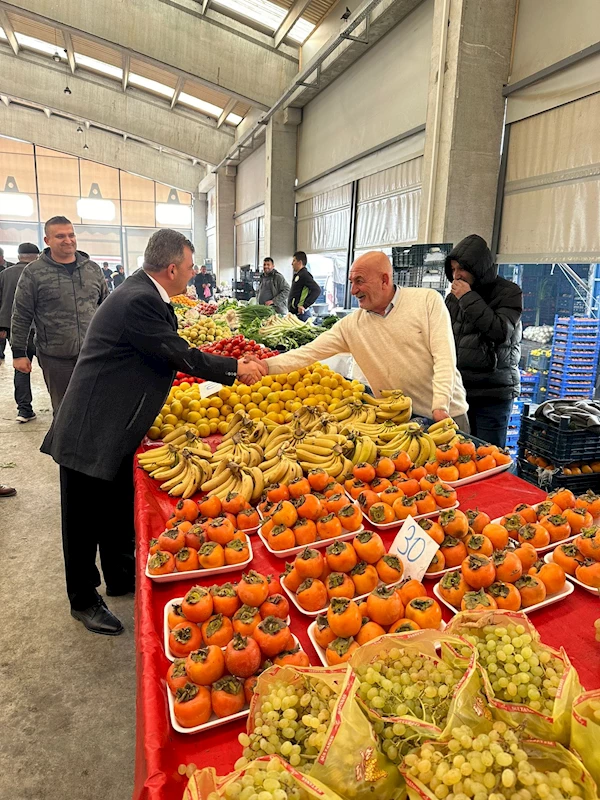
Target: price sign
(414, 548)
(209, 387)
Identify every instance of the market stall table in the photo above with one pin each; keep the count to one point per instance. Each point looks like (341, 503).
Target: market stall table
(160, 750)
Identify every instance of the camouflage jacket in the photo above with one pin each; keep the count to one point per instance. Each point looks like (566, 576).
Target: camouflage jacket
(60, 305)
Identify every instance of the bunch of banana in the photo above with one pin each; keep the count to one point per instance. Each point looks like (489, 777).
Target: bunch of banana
(326, 451)
(392, 405)
(309, 417)
(444, 431)
(283, 466)
(231, 477)
(252, 431)
(380, 432)
(365, 449)
(353, 410)
(239, 450)
(419, 446)
(181, 471)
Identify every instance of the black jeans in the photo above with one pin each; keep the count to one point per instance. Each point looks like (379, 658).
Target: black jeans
(57, 374)
(23, 396)
(97, 514)
(489, 420)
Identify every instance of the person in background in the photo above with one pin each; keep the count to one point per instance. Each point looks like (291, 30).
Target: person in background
(305, 289)
(9, 279)
(400, 339)
(3, 265)
(119, 276)
(131, 352)
(273, 289)
(107, 272)
(193, 278)
(59, 294)
(486, 320)
(205, 284)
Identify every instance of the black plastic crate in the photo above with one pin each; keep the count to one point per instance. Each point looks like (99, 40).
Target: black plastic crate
(548, 480)
(558, 443)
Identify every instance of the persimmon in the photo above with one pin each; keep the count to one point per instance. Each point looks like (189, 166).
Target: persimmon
(266, 526)
(276, 605)
(448, 472)
(350, 517)
(409, 487)
(344, 617)
(453, 587)
(568, 557)
(332, 488)
(274, 585)
(478, 571)
(253, 588)
(291, 578)
(433, 529)
(465, 447)
(437, 563)
(454, 522)
(154, 546)
(506, 595)
(340, 650)
(310, 507)
(299, 487)
(547, 508)
(382, 513)
(402, 461)
(285, 514)
(322, 632)
(365, 577)
(531, 589)
(384, 467)
(364, 472)
(356, 488)
(466, 467)
(552, 576)
(171, 541)
(210, 507)
(369, 630)
(172, 522)
(526, 511)
(527, 555)
(390, 569)
(485, 462)
(453, 550)
(341, 557)
(366, 499)
(404, 507)
(295, 657)
(211, 555)
(277, 492)
(318, 479)
(205, 665)
(425, 611)
(242, 656)
(305, 532)
(220, 530)
(508, 566)
(478, 601)
(192, 705)
(225, 599)
(248, 518)
(431, 467)
(557, 526)
(266, 508)
(186, 509)
(477, 519)
(409, 589)
(309, 563)
(564, 498)
(249, 685)
(334, 503)
(535, 534)
(185, 637)
(236, 552)
(416, 473)
(497, 534)
(186, 560)
(588, 542)
(195, 537)
(217, 630)
(338, 584)
(161, 563)
(245, 620)
(177, 677)
(502, 457)
(446, 453)
(384, 605)
(428, 482)
(578, 518)
(328, 527)
(590, 501)
(391, 494)
(479, 544)
(379, 485)
(589, 573)
(175, 615)
(197, 605)
(486, 449)
(445, 496)
(281, 537)
(272, 636)
(233, 503)
(426, 503)
(227, 696)
(512, 523)
(312, 594)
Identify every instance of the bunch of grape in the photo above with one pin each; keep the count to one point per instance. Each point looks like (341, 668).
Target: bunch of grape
(491, 766)
(400, 684)
(292, 721)
(519, 669)
(262, 781)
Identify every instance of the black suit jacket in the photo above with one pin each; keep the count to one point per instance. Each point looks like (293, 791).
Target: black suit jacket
(122, 377)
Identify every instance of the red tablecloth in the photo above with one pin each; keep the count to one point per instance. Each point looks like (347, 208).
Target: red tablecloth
(159, 750)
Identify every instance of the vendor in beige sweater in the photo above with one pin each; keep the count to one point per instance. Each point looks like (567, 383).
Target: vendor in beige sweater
(400, 338)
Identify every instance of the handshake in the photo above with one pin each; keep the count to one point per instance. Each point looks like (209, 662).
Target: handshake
(250, 370)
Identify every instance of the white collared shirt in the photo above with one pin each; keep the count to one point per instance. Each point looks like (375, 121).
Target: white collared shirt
(161, 289)
(390, 305)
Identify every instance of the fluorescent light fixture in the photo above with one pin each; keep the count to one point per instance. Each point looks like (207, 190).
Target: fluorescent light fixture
(15, 204)
(174, 214)
(152, 86)
(95, 209)
(96, 65)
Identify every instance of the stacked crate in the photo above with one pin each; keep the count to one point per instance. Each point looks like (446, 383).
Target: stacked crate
(530, 384)
(514, 425)
(538, 362)
(574, 360)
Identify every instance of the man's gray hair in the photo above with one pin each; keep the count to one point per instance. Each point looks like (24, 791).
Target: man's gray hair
(165, 247)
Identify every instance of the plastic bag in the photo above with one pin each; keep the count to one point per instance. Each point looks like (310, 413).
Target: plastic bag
(544, 756)
(466, 703)
(348, 761)
(585, 732)
(556, 727)
(205, 782)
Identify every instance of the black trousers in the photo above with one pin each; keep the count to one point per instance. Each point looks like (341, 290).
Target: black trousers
(23, 396)
(97, 515)
(489, 420)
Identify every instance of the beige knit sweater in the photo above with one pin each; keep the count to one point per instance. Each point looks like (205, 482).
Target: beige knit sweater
(411, 349)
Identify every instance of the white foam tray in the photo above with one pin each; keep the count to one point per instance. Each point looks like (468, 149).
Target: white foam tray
(200, 573)
(293, 551)
(397, 523)
(549, 558)
(488, 473)
(541, 550)
(554, 598)
(294, 600)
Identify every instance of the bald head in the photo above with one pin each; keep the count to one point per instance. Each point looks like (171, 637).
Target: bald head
(371, 281)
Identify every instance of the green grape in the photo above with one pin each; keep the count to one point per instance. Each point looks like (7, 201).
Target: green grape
(262, 781)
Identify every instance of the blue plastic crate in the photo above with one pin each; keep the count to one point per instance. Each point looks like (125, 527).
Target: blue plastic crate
(529, 378)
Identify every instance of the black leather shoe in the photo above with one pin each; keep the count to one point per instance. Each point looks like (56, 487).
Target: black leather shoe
(119, 591)
(98, 619)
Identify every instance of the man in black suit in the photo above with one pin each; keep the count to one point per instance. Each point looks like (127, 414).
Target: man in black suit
(124, 372)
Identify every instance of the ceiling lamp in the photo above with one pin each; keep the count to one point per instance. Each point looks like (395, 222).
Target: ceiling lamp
(13, 203)
(94, 207)
(173, 212)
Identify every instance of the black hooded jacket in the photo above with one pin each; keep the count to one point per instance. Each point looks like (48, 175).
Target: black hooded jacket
(486, 323)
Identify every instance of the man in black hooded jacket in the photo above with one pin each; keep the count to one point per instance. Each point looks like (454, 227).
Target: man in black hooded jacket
(486, 320)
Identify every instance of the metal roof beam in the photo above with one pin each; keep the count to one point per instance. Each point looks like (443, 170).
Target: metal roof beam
(290, 19)
(177, 91)
(70, 50)
(7, 26)
(231, 104)
(126, 67)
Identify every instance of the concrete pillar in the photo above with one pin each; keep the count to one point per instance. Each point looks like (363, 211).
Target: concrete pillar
(225, 208)
(280, 175)
(465, 115)
(200, 209)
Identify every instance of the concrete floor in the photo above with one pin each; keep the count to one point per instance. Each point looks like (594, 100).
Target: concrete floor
(67, 697)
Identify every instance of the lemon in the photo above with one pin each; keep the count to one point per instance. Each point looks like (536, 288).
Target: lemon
(273, 408)
(337, 393)
(176, 408)
(234, 399)
(264, 391)
(263, 405)
(249, 406)
(225, 393)
(215, 402)
(166, 429)
(254, 413)
(158, 421)
(239, 407)
(288, 405)
(184, 385)
(347, 393)
(287, 394)
(204, 429)
(222, 427)
(273, 416)
(245, 399)
(213, 425)
(296, 406)
(267, 380)
(154, 432)
(184, 414)
(193, 416)
(194, 405)
(226, 410)
(185, 400)
(229, 417)
(302, 393)
(212, 413)
(276, 386)
(243, 389)
(170, 419)
(164, 411)
(256, 397)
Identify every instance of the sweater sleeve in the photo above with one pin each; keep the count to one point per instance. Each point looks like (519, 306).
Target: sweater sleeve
(327, 344)
(22, 314)
(497, 324)
(441, 345)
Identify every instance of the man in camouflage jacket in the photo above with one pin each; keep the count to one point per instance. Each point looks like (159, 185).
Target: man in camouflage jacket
(59, 294)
